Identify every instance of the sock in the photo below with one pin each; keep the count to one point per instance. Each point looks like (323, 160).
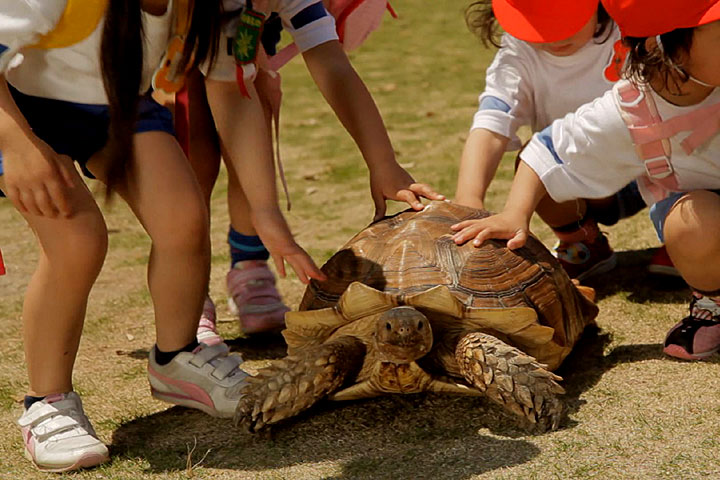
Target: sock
(29, 400)
(585, 230)
(163, 358)
(245, 247)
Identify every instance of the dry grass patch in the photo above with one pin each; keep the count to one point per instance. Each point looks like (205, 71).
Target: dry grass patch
(633, 413)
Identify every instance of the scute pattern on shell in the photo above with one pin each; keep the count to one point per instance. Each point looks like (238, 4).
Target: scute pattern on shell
(413, 252)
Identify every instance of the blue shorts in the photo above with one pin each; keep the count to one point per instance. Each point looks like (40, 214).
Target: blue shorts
(80, 130)
(659, 211)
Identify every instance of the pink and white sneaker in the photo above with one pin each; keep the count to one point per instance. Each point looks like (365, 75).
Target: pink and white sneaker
(696, 336)
(208, 378)
(58, 435)
(207, 328)
(254, 297)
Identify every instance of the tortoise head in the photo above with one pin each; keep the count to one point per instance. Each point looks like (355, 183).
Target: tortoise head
(402, 335)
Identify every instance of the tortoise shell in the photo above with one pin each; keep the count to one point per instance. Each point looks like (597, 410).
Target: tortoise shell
(412, 253)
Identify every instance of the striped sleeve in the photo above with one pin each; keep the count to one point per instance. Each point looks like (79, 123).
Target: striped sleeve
(308, 22)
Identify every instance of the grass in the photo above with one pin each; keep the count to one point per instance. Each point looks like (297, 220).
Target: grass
(633, 413)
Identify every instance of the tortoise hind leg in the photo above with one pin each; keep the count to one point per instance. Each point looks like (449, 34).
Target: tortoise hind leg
(295, 383)
(511, 378)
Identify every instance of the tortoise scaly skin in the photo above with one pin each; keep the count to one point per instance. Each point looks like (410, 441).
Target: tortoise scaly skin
(405, 310)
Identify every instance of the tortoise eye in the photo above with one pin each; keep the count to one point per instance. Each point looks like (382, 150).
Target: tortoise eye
(420, 325)
(388, 326)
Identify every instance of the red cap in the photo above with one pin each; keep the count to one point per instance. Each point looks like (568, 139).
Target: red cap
(647, 18)
(543, 21)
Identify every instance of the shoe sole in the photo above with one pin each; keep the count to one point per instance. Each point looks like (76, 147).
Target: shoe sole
(599, 268)
(184, 401)
(234, 310)
(86, 461)
(664, 270)
(679, 352)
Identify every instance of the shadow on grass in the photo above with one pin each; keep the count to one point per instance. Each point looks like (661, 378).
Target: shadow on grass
(632, 279)
(400, 437)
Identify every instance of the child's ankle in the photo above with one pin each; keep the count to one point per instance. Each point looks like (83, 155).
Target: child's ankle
(585, 230)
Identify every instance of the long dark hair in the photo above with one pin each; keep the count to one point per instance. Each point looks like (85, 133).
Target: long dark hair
(481, 21)
(121, 60)
(659, 62)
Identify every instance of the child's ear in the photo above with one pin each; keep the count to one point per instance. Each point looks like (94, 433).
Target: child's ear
(651, 44)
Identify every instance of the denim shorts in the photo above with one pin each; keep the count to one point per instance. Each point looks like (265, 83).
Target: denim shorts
(80, 130)
(659, 211)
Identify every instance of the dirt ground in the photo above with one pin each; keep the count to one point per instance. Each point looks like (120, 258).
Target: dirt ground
(633, 413)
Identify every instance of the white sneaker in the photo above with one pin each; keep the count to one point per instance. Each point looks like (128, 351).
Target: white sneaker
(59, 437)
(208, 379)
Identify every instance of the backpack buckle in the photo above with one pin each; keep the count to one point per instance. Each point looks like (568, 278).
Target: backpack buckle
(658, 167)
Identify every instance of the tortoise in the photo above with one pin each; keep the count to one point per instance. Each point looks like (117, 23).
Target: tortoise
(406, 310)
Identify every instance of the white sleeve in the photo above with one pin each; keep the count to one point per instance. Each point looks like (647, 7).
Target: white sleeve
(22, 22)
(586, 154)
(507, 102)
(308, 22)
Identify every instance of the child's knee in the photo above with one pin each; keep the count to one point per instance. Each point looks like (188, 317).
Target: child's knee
(693, 225)
(187, 233)
(80, 247)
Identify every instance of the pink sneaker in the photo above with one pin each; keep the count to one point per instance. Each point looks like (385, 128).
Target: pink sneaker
(660, 263)
(207, 328)
(58, 435)
(209, 378)
(254, 298)
(696, 336)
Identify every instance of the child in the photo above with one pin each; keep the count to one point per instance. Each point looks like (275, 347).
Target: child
(554, 57)
(70, 77)
(661, 129)
(250, 282)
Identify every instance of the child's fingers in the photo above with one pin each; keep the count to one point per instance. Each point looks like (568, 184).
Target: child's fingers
(467, 233)
(59, 196)
(518, 240)
(426, 191)
(279, 265)
(461, 225)
(305, 268)
(44, 202)
(380, 209)
(67, 171)
(410, 198)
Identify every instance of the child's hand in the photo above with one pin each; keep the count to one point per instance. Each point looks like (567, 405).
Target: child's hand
(394, 183)
(275, 234)
(506, 225)
(37, 179)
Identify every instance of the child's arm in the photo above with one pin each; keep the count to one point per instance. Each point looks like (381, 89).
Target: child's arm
(246, 143)
(36, 179)
(513, 223)
(346, 93)
(480, 159)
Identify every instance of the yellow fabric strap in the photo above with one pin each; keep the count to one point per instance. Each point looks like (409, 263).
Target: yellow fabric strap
(78, 21)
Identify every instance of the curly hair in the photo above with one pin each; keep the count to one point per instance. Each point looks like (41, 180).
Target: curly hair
(660, 61)
(481, 21)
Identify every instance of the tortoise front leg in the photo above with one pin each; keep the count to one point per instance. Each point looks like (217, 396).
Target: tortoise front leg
(290, 385)
(511, 378)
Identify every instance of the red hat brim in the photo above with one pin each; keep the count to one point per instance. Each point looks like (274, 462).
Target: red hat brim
(543, 21)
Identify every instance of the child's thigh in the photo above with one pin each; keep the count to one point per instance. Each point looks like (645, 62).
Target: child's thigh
(162, 189)
(693, 216)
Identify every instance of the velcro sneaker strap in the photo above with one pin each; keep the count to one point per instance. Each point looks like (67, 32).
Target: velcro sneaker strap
(59, 424)
(208, 354)
(227, 366)
(38, 415)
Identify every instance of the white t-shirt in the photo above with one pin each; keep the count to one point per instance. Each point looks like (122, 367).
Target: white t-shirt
(526, 86)
(589, 153)
(307, 21)
(73, 73)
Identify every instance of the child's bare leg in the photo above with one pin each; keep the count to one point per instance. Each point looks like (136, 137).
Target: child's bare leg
(72, 251)
(162, 191)
(238, 206)
(561, 214)
(692, 237)
(204, 152)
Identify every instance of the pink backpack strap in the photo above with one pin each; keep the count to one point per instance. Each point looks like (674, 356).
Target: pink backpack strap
(643, 121)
